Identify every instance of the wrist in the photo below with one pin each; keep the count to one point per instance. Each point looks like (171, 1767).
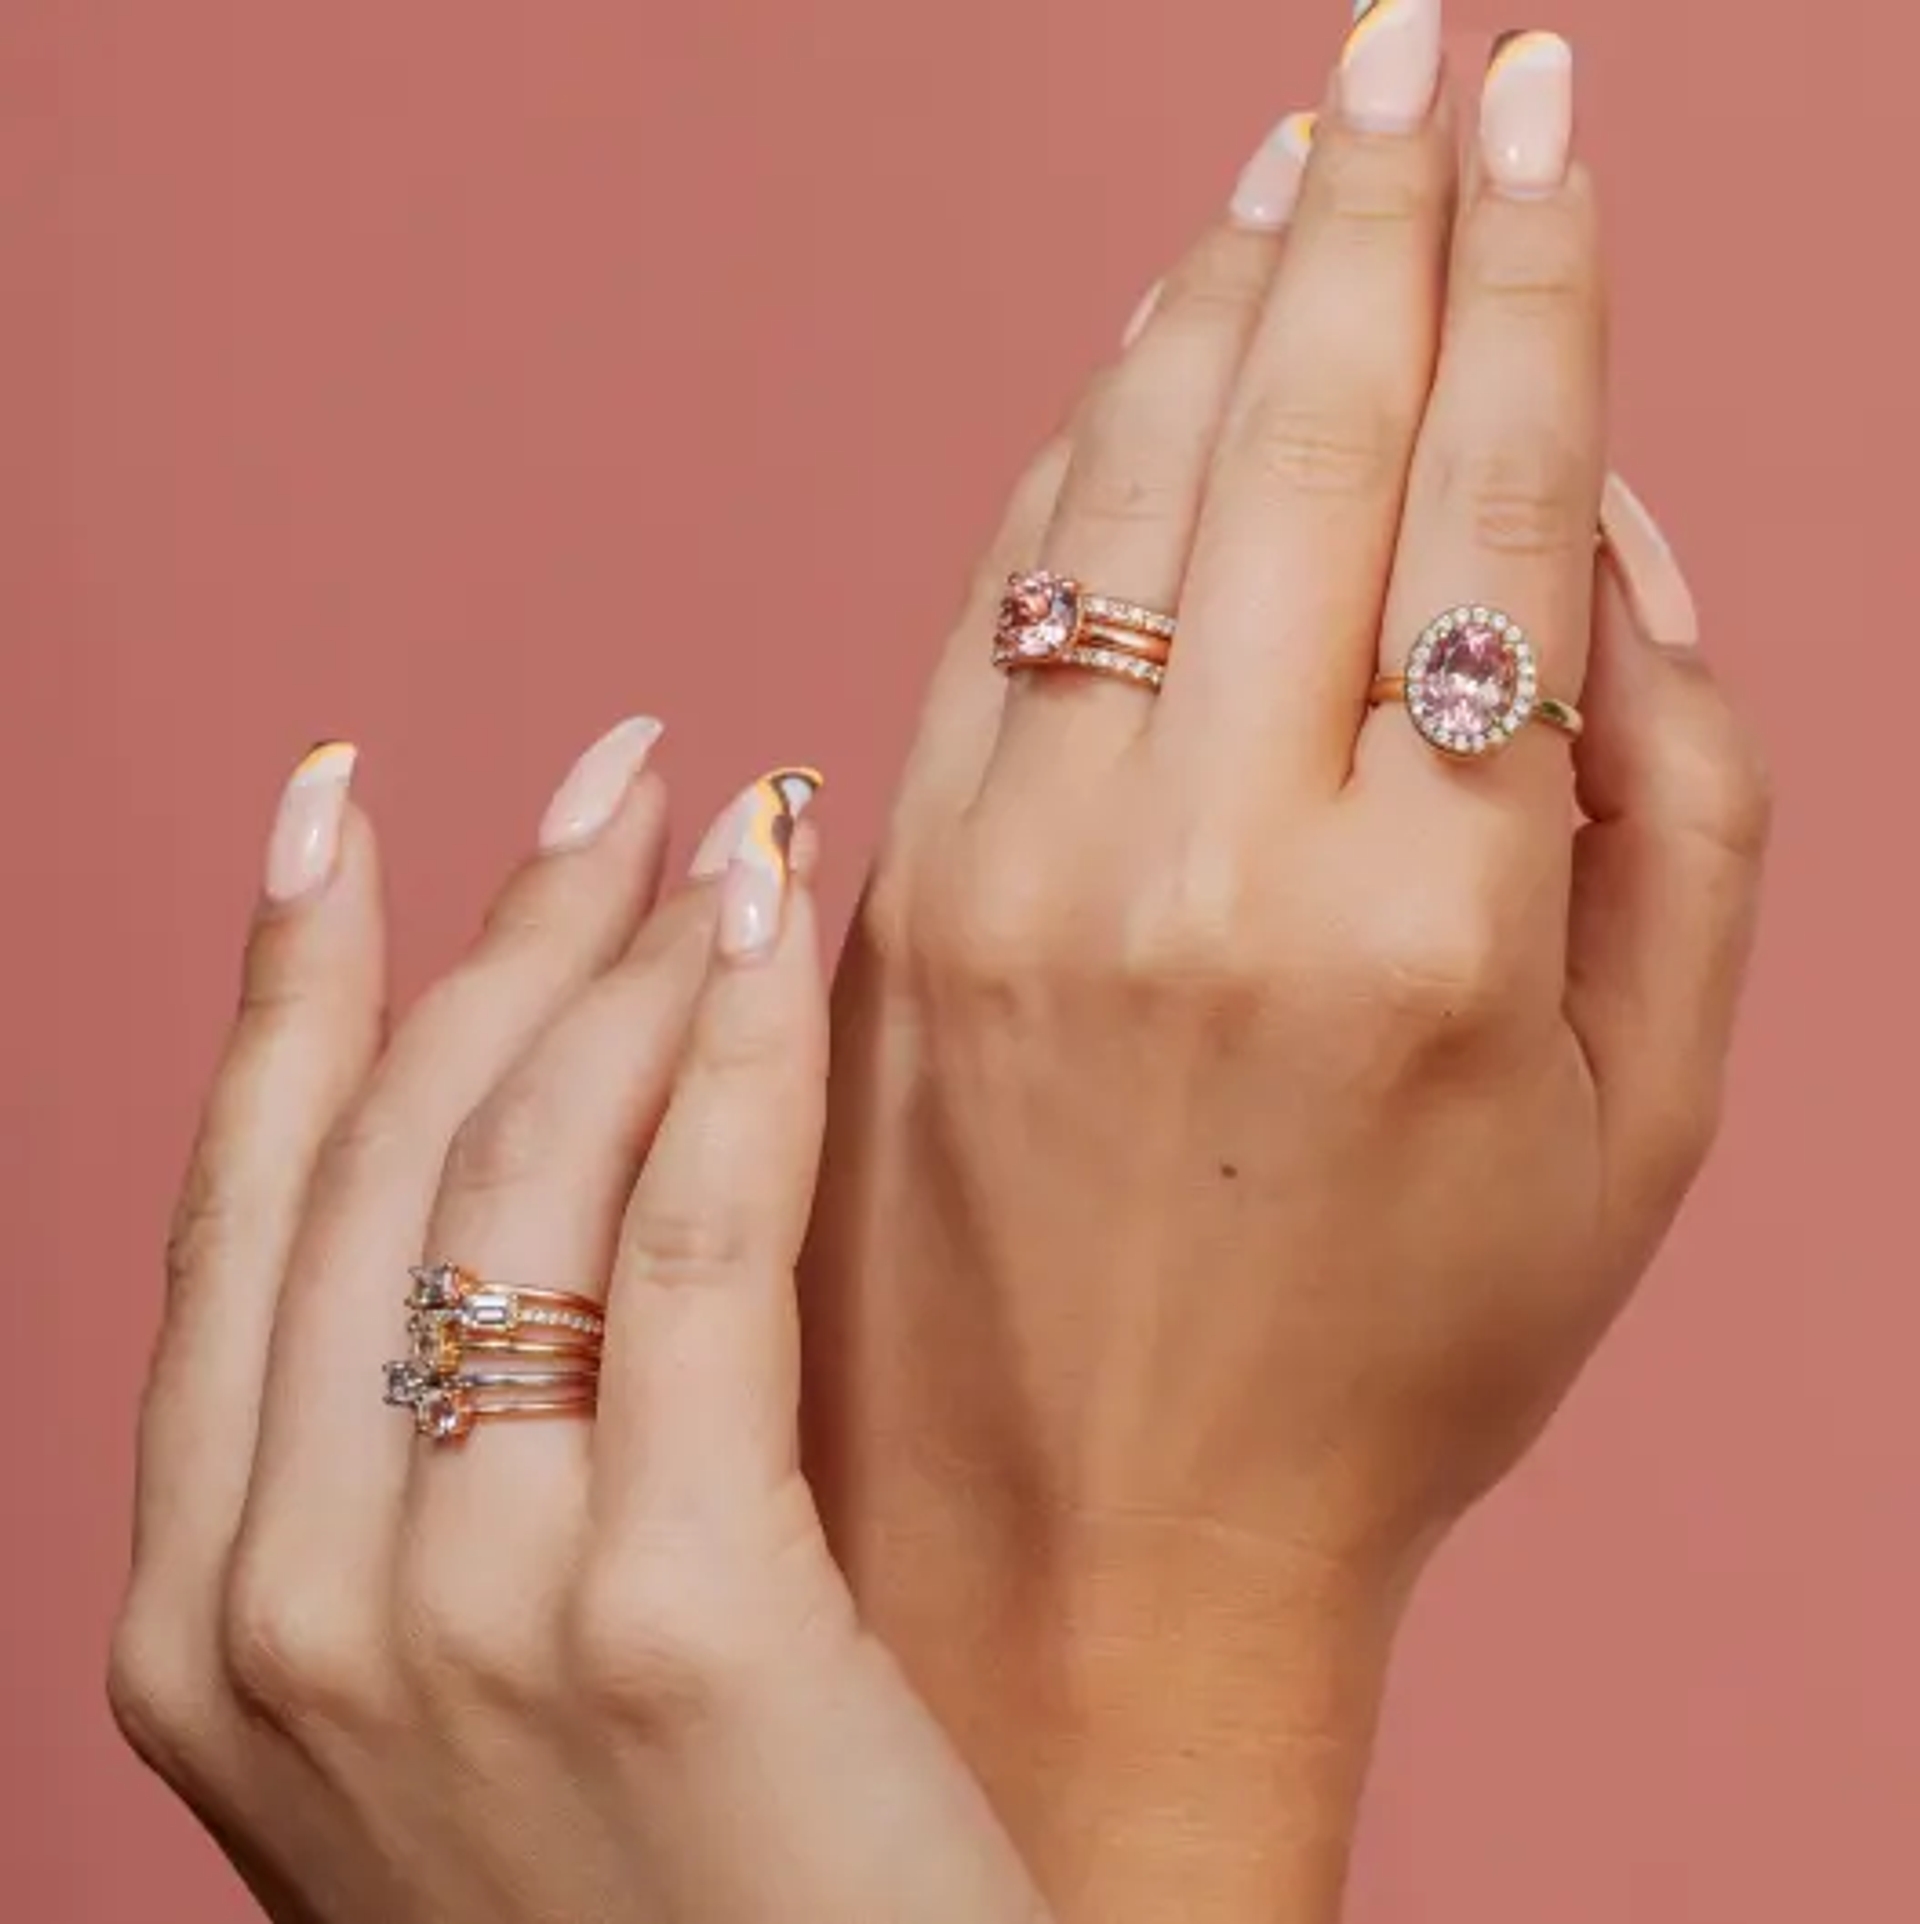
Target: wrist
(1173, 1719)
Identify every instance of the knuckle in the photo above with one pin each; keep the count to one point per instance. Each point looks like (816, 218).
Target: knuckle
(741, 1037)
(507, 1142)
(1221, 284)
(650, 1643)
(156, 1700)
(1535, 262)
(472, 1644)
(1441, 976)
(1296, 448)
(885, 924)
(1736, 791)
(204, 1225)
(990, 930)
(1368, 188)
(1532, 493)
(291, 1658)
(672, 1248)
(367, 1142)
(1134, 465)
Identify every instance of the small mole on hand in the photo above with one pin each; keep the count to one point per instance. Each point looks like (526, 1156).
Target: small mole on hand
(1231, 1171)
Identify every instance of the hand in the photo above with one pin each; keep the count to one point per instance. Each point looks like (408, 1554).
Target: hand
(562, 1669)
(1247, 1119)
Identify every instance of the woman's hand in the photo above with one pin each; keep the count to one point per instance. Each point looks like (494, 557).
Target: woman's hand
(1247, 1118)
(565, 1669)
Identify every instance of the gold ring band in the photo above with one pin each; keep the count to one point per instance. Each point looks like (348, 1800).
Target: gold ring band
(1556, 714)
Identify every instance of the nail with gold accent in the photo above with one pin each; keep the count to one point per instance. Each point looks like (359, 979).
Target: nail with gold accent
(305, 843)
(1526, 113)
(1263, 201)
(1390, 67)
(751, 846)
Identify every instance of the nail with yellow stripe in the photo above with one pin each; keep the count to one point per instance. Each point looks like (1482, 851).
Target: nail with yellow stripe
(1390, 67)
(1526, 113)
(304, 847)
(751, 846)
(1263, 201)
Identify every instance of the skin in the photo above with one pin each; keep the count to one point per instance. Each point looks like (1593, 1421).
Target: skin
(1244, 1127)
(1246, 1123)
(591, 1671)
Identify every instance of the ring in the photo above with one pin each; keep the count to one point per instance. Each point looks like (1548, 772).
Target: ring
(453, 1315)
(1049, 621)
(446, 1407)
(1472, 682)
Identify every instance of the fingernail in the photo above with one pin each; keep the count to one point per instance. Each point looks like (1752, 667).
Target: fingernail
(597, 784)
(1649, 571)
(305, 842)
(1142, 314)
(1269, 185)
(751, 844)
(1390, 68)
(1526, 113)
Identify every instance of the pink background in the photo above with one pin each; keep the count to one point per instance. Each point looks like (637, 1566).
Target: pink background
(460, 376)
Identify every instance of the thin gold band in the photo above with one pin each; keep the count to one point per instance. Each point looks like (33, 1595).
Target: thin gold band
(1556, 714)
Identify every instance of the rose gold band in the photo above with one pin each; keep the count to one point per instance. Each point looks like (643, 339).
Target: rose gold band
(1050, 621)
(455, 1319)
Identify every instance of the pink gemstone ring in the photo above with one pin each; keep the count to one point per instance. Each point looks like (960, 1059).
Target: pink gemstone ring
(1472, 683)
(1049, 621)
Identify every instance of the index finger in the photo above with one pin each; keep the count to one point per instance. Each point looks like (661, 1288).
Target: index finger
(699, 1386)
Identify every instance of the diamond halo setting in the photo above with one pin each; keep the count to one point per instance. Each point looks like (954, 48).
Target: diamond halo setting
(1472, 681)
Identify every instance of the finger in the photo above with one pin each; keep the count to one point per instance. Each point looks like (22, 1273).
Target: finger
(332, 1464)
(699, 1397)
(1283, 605)
(309, 1025)
(1142, 446)
(1505, 489)
(961, 714)
(535, 1189)
(1667, 874)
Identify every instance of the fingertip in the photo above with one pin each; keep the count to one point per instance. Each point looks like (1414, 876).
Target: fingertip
(1641, 560)
(303, 847)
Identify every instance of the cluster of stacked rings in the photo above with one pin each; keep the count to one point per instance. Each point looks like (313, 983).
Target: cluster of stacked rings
(1471, 680)
(479, 1351)
(1048, 621)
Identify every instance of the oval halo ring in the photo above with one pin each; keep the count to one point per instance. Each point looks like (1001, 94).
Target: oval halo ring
(1472, 682)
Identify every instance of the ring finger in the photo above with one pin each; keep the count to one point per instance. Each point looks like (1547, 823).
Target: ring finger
(536, 1188)
(331, 1466)
(1125, 519)
(1505, 490)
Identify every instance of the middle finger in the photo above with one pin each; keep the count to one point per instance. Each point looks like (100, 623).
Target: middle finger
(1303, 507)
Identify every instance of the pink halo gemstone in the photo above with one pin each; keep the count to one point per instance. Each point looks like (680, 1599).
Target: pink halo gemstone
(1039, 616)
(1467, 686)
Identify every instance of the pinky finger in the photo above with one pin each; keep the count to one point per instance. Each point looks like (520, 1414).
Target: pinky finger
(309, 1026)
(700, 1385)
(1667, 873)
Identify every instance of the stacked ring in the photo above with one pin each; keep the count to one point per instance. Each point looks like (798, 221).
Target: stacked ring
(453, 1317)
(1049, 621)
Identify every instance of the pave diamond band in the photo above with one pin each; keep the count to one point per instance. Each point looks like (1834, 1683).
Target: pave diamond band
(454, 1320)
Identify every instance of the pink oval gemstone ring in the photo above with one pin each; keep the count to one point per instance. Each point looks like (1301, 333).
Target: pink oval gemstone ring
(1049, 621)
(1472, 684)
